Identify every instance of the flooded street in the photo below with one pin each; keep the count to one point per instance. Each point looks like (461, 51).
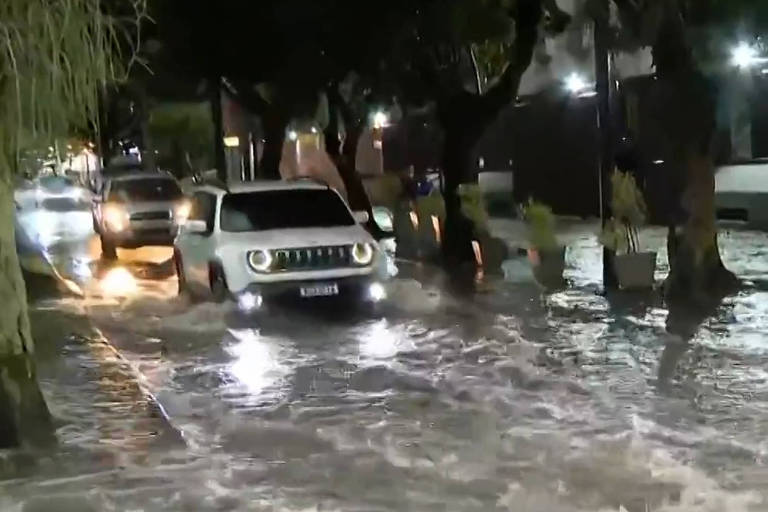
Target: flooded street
(506, 400)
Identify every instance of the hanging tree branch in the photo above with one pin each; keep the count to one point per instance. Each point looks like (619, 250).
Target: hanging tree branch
(61, 56)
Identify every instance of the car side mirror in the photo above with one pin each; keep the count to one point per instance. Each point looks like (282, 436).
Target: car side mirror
(197, 227)
(361, 217)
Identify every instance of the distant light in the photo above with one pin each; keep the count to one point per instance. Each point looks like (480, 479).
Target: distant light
(658, 162)
(377, 292)
(293, 135)
(248, 302)
(481, 163)
(232, 142)
(313, 129)
(118, 283)
(764, 71)
(380, 119)
(575, 83)
(744, 56)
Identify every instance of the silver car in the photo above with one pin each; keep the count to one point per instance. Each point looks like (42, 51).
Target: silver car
(137, 209)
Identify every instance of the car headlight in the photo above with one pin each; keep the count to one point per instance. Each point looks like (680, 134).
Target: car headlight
(115, 217)
(182, 211)
(260, 261)
(362, 254)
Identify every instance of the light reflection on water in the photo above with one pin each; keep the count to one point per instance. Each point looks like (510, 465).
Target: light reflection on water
(380, 341)
(507, 401)
(256, 363)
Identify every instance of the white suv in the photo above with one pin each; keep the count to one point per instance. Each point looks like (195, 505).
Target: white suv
(274, 239)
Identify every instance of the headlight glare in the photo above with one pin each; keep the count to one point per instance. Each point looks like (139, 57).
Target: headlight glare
(182, 211)
(115, 217)
(260, 261)
(362, 254)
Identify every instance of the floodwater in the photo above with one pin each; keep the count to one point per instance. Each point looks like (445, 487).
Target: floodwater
(508, 399)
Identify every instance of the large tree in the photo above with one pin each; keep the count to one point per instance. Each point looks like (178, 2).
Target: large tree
(467, 59)
(690, 42)
(55, 59)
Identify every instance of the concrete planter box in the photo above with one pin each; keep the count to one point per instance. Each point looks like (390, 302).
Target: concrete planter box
(548, 266)
(635, 271)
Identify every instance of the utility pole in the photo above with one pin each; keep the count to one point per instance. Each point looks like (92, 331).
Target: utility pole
(604, 87)
(220, 158)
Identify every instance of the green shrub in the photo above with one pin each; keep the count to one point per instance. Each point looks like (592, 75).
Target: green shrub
(541, 226)
(430, 205)
(629, 213)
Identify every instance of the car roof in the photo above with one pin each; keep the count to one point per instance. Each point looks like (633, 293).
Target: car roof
(139, 175)
(268, 185)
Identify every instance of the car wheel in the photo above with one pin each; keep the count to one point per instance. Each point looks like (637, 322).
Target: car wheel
(219, 288)
(180, 275)
(108, 249)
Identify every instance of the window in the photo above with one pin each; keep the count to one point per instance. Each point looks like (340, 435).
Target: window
(204, 208)
(56, 183)
(284, 209)
(145, 189)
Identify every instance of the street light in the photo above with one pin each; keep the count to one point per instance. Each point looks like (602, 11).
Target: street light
(575, 83)
(292, 135)
(744, 56)
(380, 119)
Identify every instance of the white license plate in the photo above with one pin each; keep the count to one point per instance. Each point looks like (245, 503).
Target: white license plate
(321, 290)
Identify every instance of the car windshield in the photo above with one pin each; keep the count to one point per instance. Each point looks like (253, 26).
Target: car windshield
(55, 182)
(283, 209)
(145, 189)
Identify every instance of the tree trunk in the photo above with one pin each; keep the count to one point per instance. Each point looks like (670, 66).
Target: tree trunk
(219, 156)
(24, 417)
(344, 158)
(457, 169)
(696, 268)
(464, 118)
(274, 123)
(686, 105)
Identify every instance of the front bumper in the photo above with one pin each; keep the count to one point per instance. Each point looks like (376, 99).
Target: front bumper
(350, 288)
(133, 238)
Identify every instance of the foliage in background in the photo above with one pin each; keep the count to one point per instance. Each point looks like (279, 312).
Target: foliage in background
(55, 59)
(181, 134)
(541, 226)
(473, 205)
(629, 213)
(431, 205)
